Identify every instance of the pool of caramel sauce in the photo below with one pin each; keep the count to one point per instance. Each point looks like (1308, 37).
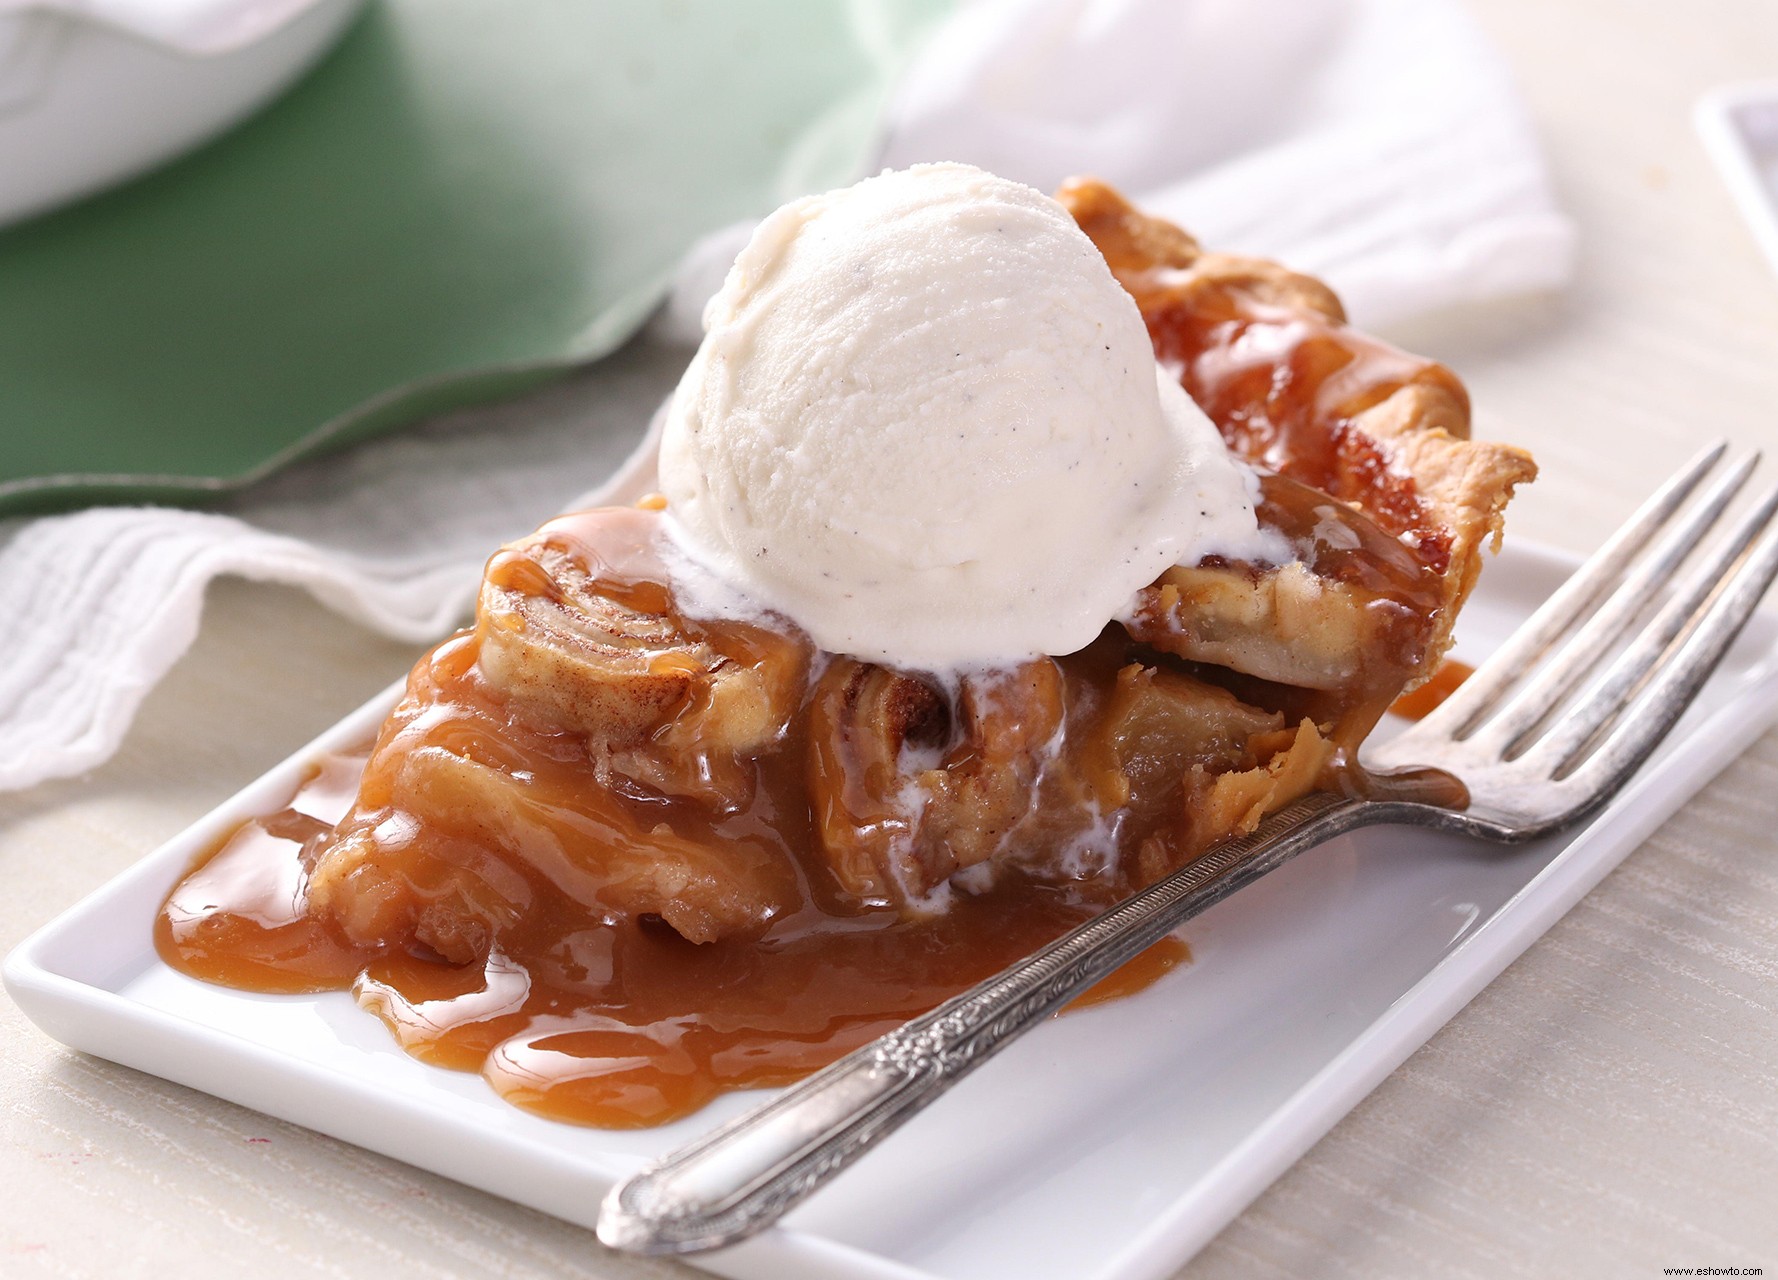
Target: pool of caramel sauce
(620, 1027)
(594, 1016)
(1429, 697)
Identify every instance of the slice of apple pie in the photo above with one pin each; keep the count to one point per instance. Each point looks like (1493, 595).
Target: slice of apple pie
(620, 853)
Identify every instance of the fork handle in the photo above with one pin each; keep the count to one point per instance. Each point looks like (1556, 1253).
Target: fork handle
(740, 1178)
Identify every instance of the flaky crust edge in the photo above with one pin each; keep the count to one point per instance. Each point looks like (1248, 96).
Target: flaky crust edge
(1464, 484)
(1422, 430)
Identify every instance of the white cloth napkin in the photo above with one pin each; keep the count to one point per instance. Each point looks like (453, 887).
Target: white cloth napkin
(95, 607)
(1378, 143)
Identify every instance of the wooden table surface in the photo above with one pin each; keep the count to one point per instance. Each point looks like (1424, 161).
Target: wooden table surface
(1608, 1107)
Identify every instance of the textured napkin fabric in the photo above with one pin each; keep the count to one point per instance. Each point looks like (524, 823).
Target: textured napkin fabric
(1378, 143)
(95, 607)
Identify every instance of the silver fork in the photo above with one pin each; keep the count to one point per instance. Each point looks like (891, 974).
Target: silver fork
(1543, 734)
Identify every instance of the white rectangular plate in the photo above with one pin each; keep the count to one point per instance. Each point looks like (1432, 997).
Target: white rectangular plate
(1111, 1143)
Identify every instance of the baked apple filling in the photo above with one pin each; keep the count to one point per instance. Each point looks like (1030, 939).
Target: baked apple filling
(620, 855)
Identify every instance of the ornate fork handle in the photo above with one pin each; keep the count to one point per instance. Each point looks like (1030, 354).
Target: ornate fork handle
(743, 1176)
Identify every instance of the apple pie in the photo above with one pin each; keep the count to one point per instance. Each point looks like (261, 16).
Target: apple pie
(619, 857)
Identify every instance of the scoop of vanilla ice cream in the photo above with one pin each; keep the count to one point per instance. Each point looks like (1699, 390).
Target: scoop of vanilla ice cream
(927, 424)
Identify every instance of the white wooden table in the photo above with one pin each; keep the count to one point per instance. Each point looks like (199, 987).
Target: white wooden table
(1609, 1107)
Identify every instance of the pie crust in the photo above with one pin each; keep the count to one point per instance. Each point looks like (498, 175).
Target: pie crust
(619, 858)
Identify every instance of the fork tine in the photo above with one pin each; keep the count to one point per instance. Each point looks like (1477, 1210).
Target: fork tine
(1609, 690)
(1609, 737)
(1635, 596)
(1572, 601)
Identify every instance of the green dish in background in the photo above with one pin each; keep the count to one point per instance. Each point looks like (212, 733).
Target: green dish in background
(462, 200)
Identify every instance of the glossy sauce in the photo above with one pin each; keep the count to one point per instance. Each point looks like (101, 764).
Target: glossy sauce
(1284, 389)
(526, 896)
(1268, 357)
(612, 1023)
(577, 1001)
(1430, 696)
(578, 1004)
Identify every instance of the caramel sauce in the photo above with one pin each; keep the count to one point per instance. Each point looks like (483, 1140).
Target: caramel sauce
(1283, 379)
(573, 1001)
(1267, 355)
(1401, 595)
(1284, 390)
(613, 931)
(613, 1023)
(1135, 975)
(1429, 697)
(501, 918)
